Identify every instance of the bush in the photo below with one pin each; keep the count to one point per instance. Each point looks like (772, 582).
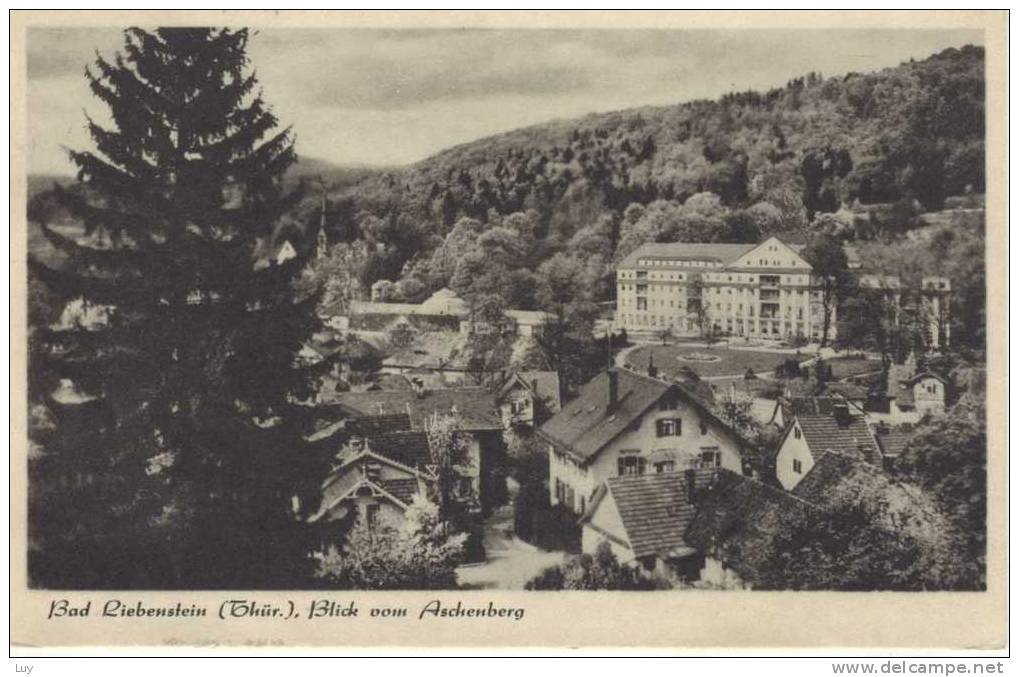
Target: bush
(601, 571)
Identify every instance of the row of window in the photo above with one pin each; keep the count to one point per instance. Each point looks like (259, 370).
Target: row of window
(638, 465)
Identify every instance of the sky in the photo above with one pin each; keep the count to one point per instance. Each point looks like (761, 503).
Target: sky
(392, 97)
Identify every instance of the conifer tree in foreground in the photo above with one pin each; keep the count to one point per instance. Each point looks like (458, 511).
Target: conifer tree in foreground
(182, 467)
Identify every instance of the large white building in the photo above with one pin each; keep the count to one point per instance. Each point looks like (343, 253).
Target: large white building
(755, 290)
(765, 290)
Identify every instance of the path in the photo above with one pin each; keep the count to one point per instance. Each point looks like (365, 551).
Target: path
(510, 561)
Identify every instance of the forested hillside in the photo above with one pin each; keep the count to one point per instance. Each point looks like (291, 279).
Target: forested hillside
(540, 215)
(771, 161)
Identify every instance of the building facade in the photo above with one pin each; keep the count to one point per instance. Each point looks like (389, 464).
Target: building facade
(624, 423)
(762, 290)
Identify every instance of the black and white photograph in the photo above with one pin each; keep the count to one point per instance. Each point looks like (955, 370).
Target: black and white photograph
(501, 309)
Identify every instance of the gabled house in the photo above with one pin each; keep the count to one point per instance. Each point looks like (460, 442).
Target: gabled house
(817, 426)
(910, 395)
(478, 413)
(891, 440)
(643, 518)
(528, 397)
(374, 486)
(624, 423)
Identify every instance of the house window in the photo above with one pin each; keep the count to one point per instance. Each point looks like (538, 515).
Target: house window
(641, 303)
(711, 458)
(372, 515)
(569, 497)
(797, 466)
(669, 427)
(665, 466)
(704, 428)
(796, 433)
(631, 465)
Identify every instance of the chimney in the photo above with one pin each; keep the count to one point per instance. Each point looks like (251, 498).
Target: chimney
(652, 370)
(613, 388)
(418, 386)
(840, 412)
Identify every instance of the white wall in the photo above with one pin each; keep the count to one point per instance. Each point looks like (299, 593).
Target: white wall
(716, 573)
(606, 520)
(928, 402)
(792, 449)
(586, 479)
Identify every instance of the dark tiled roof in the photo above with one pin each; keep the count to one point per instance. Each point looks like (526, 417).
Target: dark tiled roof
(366, 426)
(655, 510)
(850, 391)
(402, 489)
(794, 406)
(737, 519)
(408, 447)
(586, 424)
(475, 405)
(547, 383)
(892, 442)
(699, 251)
(824, 433)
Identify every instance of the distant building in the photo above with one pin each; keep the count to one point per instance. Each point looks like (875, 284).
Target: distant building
(442, 310)
(910, 395)
(753, 290)
(528, 397)
(816, 426)
(930, 306)
(624, 423)
(763, 291)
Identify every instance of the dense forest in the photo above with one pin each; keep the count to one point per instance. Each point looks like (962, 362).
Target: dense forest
(757, 162)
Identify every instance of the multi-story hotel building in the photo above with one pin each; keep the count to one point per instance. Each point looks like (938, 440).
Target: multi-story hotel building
(764, 290)
(755, 290)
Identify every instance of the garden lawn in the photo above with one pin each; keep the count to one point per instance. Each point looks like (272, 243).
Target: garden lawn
(732, 362)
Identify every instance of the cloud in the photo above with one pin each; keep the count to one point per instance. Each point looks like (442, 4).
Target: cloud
(395, 96)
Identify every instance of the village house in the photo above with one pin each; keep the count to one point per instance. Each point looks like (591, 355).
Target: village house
(528, 398)
(475, 407)
(444, 310)
(643, 519)
(625, 423)
(708, 525)
(891, 440)
(815, 426)
(912, 394)
(374, 485)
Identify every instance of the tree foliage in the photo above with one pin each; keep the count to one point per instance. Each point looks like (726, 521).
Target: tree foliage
(601, 571)
(189, 472)
(418, 554)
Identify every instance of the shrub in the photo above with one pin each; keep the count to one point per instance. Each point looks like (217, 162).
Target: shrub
(601, 571)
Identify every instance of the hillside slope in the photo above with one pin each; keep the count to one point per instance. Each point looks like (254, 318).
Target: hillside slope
(915, 131)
